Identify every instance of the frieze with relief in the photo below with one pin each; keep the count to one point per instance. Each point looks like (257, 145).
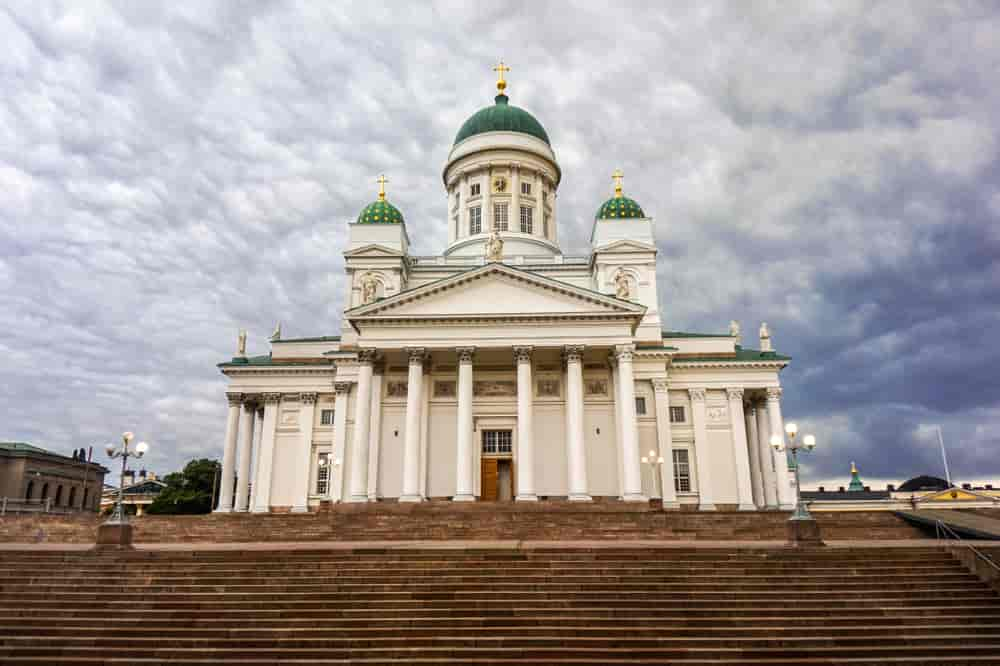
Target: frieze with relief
(494, 388)
(547, 388)
(716, 414)
(596, 387)
(444, 389)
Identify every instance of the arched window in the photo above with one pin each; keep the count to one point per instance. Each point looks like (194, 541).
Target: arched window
(72, 497)
(58, 495)
(45, 492)
(86, 496)
(30, 490)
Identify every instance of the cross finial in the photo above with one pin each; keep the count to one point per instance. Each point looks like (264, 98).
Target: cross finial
(854, 469)
(617, 177)
(501, 82)
(382, 180)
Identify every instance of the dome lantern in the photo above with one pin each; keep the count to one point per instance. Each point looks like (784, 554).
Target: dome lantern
(619, 206)
(380, 211)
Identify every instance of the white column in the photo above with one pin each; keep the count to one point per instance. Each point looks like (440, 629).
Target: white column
(335, 488)
(766, 456)
(515, 197)
(229, 453)
(258, 429)
(247, 434)
(411, 441)
(425, 426)
(744, 485)
(786, 495)
(375, 434)
(702, 454)
(665, 443)
(464, 491)
(265, 461)
(753, 444)
(302, 457)
(486, 191)
(575, 448)
(616, 398)
(631, 466)
(463, 208)
(362, 427)
(525, 470)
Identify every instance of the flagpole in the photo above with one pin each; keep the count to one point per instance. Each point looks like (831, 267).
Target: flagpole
(944, 457)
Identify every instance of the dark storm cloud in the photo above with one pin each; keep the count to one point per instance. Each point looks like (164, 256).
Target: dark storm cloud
(172, 172)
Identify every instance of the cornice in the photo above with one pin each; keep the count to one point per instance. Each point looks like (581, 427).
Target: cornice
(326, 370)
(722, 363)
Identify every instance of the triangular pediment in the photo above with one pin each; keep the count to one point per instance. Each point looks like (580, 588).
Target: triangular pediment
(373, 250)
(626, 245)
(956, 495)
(496, 291)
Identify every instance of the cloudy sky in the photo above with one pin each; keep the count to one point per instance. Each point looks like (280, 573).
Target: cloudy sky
(170, 172)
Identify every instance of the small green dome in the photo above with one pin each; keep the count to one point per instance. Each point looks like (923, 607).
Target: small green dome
(619, 207)
(501, 117)
(380, 211)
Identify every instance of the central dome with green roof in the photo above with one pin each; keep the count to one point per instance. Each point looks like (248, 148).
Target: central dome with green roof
(501, 117)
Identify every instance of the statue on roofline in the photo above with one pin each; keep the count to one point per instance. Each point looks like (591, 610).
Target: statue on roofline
(494, 246)
(622, 287)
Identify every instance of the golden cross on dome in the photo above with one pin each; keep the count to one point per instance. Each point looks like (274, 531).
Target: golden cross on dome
(854, 470)
(382, 180)
(617, 177)
(500, 69)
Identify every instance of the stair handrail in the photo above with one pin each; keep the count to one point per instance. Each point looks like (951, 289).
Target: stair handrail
(940, 527)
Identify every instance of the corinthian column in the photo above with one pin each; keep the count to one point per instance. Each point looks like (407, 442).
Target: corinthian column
(664, 441)
(525, 427)
(766, 455)
(575, 449)
(411, 441)
(302, 457)
(786, 496)
(744, 485)
(247, 434)
(362, 427)
(265, 461)
(631, 470)
(702, 454)
(229, 453)
(463, 439)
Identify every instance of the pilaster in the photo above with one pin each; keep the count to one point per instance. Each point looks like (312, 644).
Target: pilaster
(741, 456)
(525, 470)
(664, 441)
(706, 495)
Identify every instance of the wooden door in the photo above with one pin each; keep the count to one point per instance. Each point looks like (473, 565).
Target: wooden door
(488, 485)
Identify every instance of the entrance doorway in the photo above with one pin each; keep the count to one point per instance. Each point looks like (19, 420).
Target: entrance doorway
(497, 478)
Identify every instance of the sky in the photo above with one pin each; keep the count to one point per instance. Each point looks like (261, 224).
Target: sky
(172, 172)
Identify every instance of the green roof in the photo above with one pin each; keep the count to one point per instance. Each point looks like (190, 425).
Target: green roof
(238, 362)
(24, 446)
(745, 355)
(322, 338)
(682, 334)
(501, 117)
(619, 208)
(380, 211)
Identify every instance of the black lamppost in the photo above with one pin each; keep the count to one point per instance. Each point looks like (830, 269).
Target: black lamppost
(118, 516)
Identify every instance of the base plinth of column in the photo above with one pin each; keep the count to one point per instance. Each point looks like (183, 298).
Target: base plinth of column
(463, 498)
(411, 498)
(580, 498)
(804, 533)
(240, 509)
(299, 509)
(671, 505)
(707, 507)
(358, 498)
(747, 507)
(261, 509)
(114, 536)
(222, 509)
(526, 498)
(787, 507)
(635, 497)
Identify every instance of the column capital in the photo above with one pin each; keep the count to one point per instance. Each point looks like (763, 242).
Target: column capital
(661, 385)
(774, 394)
(573, 353)
(234, 399)
(416, 355)
(465, 354)
(342, 388)
(251, 401)
(308, 398)
(272, 398)
(522, 354)
(366, 356)
(697, 394)
(735, 393)
(624, 352)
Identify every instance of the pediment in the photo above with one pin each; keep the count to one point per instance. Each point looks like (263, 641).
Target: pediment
(497, 291)
(373, 250)
(626, 245)
(956, 495)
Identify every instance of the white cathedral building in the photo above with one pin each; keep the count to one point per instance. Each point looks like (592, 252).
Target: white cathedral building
(504, 369)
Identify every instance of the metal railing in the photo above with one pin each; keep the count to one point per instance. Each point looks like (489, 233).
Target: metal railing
(943, 531)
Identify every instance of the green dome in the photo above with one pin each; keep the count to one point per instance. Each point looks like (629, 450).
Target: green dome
(501, 117)
(380, 211)
(618, 207)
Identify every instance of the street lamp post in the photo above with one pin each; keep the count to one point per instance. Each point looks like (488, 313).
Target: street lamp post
(654, 461)
(802, 526)
(118, 516)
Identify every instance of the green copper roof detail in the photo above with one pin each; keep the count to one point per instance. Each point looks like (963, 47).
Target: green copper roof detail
(856, 484)
(741, 355)
(619, 207)
(501, 117)
(380, 211)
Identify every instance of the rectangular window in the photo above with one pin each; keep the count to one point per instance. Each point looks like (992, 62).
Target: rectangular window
(474, 190)
(497, 441)
(525, 188)
(545, 225)
(323, 472)
(527, 219)
(475, 220)
(682, 471)
(640, 406)
(326, 417)
(500, 217)
(677, 415)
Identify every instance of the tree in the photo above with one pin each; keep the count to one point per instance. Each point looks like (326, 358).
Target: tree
(188, 491)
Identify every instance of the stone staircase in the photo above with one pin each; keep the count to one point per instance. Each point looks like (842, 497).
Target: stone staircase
(695, 606)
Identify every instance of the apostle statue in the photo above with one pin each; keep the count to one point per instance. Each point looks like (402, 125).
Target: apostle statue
(622, 288)
(494, 247)
(241, 344)
(734, 330)
(765, 338)
(369, 289)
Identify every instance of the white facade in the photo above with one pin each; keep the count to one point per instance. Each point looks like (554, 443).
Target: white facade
(537, 376)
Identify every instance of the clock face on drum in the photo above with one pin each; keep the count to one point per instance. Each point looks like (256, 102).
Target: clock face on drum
(500, 185)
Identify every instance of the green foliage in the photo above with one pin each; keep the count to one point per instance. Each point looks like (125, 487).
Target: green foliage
(188, 491)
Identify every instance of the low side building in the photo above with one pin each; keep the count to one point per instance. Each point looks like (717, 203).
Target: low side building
(139, 493)
(35, 479)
